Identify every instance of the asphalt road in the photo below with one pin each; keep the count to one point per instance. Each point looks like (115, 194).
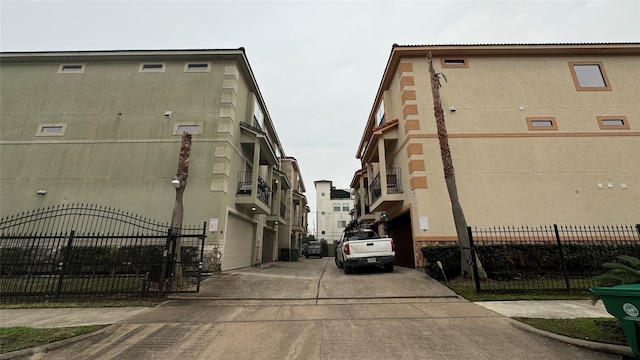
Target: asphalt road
(310, 310)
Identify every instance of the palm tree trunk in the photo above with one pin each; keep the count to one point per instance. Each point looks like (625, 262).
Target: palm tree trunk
(449, 174)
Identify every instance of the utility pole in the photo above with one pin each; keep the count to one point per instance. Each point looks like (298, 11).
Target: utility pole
(449, 173)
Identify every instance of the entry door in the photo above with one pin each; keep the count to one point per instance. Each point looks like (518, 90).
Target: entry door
(268, 241)
(402, 235)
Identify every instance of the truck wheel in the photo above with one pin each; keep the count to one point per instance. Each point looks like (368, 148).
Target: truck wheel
(347, 269)
(388, 267)
(338, 264)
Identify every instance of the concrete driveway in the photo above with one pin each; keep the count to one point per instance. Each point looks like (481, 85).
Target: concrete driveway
(310, 310)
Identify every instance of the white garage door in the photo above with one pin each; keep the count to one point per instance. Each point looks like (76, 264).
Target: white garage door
(238, 244)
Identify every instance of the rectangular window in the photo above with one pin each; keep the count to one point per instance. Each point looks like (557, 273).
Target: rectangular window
(342, 223)
(71, 69)
(258, 116)
(613, 123)
(197, 67)
(454, 63)
(51, 129)
(542, 123)
(190, 128)
(345, 206)
(336, 207)
(589, 75)
(152, 67)
(380, 118)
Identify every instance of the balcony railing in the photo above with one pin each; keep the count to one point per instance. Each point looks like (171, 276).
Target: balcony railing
(394, 184)
(245, 186)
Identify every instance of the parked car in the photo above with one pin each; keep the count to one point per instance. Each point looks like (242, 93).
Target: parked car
(314, 248)
(364, 247)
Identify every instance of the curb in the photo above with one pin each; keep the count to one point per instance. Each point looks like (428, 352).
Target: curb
(52, 346)
(592, 345)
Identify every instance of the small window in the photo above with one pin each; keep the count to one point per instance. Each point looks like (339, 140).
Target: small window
(322, 213)
(51, 129)
(336, 207)
(345, 206)
(190, 128)
(71, 69)
(197, 67)
(380, 118)
(322, 194)
(342, 224)
(454, 63)
(152, 67)
(542, 123)
(589, 76)
(613, 123)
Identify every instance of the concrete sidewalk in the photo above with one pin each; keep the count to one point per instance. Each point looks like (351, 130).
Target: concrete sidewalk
(68, 317)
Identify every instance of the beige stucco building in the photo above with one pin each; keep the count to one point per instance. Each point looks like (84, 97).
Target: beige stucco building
(539, 134)
(333, 210)
(105, 128)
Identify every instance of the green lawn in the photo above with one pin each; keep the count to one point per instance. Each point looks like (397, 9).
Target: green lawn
(18, 338)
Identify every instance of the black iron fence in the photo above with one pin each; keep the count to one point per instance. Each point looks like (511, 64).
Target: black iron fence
(547, 258)
(84, 251)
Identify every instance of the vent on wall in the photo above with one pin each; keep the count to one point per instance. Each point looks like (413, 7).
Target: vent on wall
(71, 68)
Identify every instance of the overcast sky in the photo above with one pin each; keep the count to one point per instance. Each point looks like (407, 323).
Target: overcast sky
(318, 63)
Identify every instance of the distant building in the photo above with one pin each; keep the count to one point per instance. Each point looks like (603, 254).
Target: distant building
(333, 207)
(105, 127)
(539, 134)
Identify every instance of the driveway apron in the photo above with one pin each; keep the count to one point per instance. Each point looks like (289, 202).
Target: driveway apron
(309, 309)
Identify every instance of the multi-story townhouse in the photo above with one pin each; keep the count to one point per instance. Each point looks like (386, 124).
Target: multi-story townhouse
(105, 128)
(295, 228)
(333, 210)
(539, 134)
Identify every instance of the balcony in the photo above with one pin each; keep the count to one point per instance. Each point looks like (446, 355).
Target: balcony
(386, 192)
(256, 201)
(278, 214)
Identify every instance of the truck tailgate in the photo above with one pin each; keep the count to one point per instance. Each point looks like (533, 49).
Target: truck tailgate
(370, 247)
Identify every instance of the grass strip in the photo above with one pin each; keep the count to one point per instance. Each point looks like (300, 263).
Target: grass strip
(601, 330)
(18, 338)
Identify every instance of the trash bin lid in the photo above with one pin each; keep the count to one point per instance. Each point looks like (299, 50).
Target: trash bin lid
(632, 290)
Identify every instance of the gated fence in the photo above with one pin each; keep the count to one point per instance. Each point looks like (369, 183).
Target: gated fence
(549, 257)
(90, 252)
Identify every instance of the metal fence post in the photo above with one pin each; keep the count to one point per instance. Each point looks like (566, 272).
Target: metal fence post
(200, 263)
(65, 262)
(474, 265)
(564, 265)
(165, 258)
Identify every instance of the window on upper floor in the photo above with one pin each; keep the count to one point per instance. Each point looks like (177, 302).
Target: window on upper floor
(336, 207)
(71, 68)
(380, 116)
(258, 116)
(345, 206)
(613, 123)
(197, 67)
(589, 75)
(51, 129)
(454, 63)
(542, 123)
(152, 67)
(342, 223)
(190, 128)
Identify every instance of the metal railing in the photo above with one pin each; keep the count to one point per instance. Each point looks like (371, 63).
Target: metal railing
(245, 186)
(518, 259)
(394, 184)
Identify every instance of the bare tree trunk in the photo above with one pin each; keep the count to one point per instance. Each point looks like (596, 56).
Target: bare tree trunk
(178, 209)
(449, 173)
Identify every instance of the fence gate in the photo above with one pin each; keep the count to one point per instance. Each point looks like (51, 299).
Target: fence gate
(90, 252)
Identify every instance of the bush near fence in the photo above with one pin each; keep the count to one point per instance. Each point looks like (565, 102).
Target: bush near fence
(499, 261)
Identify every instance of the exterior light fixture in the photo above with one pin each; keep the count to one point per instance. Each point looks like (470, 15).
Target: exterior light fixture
(253, 209)
(42, 192)
(175, 182)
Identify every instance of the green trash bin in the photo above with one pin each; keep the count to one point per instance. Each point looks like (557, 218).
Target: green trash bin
(623, 302)
(295, 254)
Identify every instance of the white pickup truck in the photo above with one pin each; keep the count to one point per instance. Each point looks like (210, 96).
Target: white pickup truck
(363, 247)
